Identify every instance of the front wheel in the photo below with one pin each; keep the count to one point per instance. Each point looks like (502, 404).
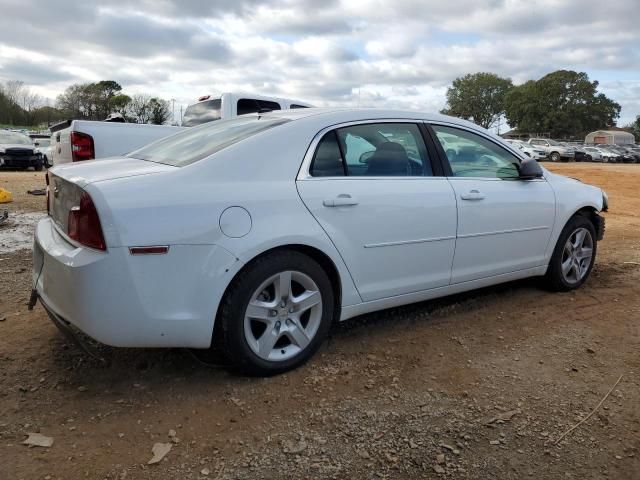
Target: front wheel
(574, 255)
(276, 313)
(555, 157)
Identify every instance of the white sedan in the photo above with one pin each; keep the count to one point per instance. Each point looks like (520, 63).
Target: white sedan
(256, 233)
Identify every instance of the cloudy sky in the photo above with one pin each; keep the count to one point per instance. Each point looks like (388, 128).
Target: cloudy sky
(400, 53)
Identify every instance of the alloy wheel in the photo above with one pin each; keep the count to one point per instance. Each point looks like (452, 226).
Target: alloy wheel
(577, 255)
(283, 316)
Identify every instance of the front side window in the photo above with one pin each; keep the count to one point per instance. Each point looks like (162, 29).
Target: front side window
(196, 143)
(373, 150)
(471, 155)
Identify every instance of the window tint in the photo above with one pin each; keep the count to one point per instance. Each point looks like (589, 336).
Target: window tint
(472, 155)
(327, 161)
(252, 105)
(196, 143)
(384, 149)
(293, 105)
(201, 112)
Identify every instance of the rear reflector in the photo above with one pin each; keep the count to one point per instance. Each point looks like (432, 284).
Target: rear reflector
(155, 250)
(82, 147)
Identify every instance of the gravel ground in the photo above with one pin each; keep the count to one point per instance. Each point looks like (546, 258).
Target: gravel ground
(473, 386)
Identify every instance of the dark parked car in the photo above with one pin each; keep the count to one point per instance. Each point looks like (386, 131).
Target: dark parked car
(18, 151)
(630, 151)
(625, 156)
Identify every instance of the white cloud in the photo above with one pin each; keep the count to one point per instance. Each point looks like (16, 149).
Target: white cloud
(400, 53)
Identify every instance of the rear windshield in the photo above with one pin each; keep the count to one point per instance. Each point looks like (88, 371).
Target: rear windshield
(201, 112)
(197, 143)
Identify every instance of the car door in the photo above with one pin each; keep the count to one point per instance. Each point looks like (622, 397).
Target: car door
(373, 189)
(504, 223)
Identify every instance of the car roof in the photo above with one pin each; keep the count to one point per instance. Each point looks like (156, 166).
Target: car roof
(341, 115)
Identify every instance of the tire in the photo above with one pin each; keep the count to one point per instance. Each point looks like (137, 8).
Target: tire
(253, 344)
(562, 280)
(37, 168)
(554, 157)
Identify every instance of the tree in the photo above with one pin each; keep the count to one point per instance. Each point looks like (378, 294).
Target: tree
(160, 111)
(562, 103)
(93, 101)
(138, 109)
(635, 128)
(478, 97)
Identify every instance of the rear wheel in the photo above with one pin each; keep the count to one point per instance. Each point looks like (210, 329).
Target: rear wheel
(276, 314)
(574, 255)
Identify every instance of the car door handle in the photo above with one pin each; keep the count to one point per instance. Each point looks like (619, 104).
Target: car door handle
(472, 195)
(342, 200)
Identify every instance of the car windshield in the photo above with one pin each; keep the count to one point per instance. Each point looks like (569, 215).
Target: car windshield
(554, 143)
(197, 143)
(201, 112)
(14, 138)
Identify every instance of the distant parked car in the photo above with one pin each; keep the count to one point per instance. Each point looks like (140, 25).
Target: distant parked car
(43, 145)
(18, 151)
(259, 232)
(554, 150)
(594, 153)
(529, 150)
(580, 154)
(607, 154)
(633, 155)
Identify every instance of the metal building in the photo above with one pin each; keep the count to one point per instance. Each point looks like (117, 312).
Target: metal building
(610, 137)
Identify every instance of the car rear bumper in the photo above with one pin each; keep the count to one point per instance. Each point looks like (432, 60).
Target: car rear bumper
(128, 300)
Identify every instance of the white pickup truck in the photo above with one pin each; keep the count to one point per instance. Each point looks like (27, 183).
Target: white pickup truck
(230, 104)
(78, 140)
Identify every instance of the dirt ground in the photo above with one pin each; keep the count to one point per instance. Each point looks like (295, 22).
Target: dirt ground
(474, 386)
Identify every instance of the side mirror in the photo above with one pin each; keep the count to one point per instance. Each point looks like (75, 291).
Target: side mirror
(530, 170)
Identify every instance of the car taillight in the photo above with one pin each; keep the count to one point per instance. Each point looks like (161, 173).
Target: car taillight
(83, 224)
(82, 147)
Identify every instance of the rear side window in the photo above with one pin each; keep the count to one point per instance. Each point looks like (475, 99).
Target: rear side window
(327, 161)
(372, 150)
(251, 105)
(201, 112)
(196, 143)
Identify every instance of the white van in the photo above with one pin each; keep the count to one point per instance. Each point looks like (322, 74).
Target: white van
(229, 105)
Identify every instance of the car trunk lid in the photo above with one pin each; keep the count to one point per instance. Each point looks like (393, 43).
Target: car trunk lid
(66, 183)
(93, 171)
